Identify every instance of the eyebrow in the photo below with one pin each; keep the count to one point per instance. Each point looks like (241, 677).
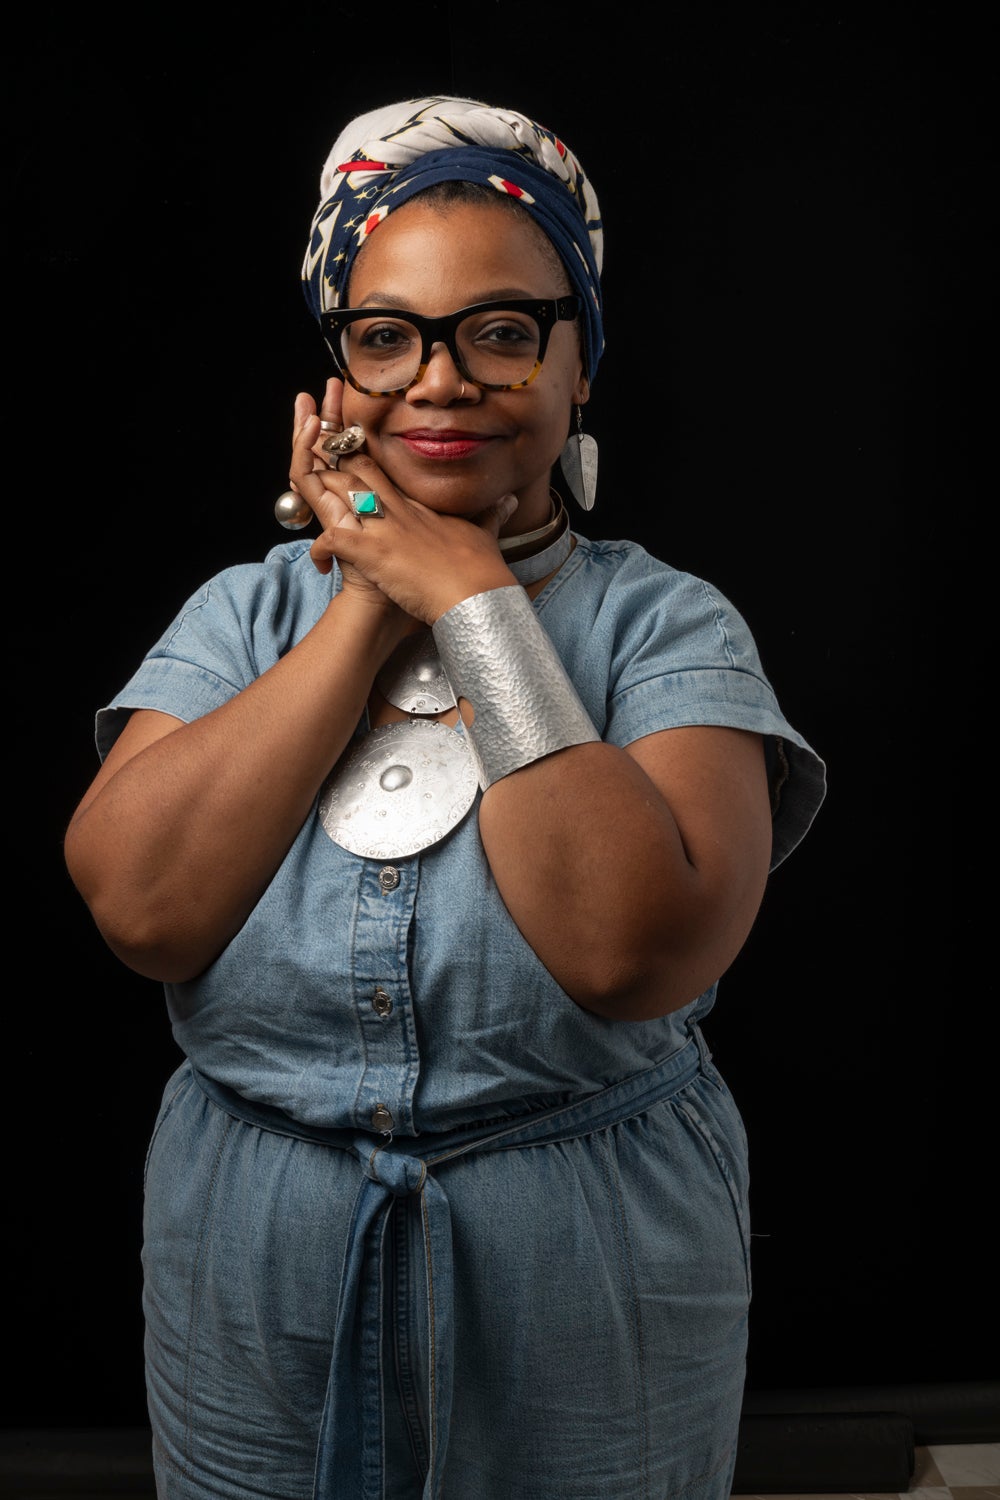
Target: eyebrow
(377, 299)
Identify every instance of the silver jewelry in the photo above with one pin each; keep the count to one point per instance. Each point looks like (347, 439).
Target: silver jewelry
(540, 564)
(335, 461)
(413, 678)
(365, 503)
(497, 655)
(325, 426)
(349, 440)
(556, 518)
(399, 790)
(578, 461)
(291, 511)
(556, 544)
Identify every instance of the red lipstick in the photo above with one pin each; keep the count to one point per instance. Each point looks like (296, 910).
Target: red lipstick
(448, 444)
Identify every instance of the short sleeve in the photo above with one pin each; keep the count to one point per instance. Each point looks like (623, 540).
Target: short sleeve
(653, 648)
(226, 635)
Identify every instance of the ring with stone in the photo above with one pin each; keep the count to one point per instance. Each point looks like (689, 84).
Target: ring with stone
(365, 503)
(347, 441)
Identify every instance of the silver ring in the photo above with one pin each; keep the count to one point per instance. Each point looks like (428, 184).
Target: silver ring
(365, 504)
(291, 511)
(335, 460)
(325, 426)
(348, 440)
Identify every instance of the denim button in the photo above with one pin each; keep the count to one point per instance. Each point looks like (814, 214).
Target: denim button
(388, 877)
(381, 1003)
(381, 1118)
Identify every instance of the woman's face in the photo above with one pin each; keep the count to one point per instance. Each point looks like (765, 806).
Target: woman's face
(459, 451)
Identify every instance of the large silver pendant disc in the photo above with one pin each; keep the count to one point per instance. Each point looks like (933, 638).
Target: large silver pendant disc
(399, 790)
(413, 678)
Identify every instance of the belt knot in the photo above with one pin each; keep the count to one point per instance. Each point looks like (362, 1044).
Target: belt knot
(401, 1174)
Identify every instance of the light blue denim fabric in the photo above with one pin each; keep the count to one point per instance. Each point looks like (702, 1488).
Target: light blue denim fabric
(558, 1308)
(291, 1015)
(599, 1282)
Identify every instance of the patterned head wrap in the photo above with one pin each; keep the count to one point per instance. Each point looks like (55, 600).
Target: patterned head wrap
(383, 158)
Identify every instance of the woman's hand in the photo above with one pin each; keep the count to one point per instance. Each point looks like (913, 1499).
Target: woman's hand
(418, 560)
(311, 462)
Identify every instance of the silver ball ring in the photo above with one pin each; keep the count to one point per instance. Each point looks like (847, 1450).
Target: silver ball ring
(292, 511)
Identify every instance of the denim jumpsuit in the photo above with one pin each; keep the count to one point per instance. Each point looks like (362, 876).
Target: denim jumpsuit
(416, 1226)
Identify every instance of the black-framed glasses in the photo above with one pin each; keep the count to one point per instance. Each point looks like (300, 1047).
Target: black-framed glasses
(498, 346)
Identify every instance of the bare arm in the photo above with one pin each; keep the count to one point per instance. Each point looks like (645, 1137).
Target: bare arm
(185, 824)
(635, 876)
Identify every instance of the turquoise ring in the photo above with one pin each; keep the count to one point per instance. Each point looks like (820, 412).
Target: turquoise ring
(365, 503)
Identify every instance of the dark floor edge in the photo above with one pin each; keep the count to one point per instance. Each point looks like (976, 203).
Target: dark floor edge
(965, 1411)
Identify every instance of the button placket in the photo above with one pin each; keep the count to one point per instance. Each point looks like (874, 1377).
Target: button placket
(382, 997)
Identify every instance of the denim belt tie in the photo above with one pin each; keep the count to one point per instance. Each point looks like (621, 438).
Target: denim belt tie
(349, 1461)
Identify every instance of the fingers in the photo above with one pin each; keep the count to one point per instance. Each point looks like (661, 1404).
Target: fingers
(330, 415)
(305, 407)
(323, 548)
(419, 559)
(310, 429)
(333, 402)
(305, 434)
(327, 491)
(330, 411)
(497, 516)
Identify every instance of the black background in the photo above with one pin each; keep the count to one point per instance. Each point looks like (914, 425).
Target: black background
(785, 407)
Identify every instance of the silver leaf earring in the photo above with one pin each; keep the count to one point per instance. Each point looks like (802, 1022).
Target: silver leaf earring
(578, 461)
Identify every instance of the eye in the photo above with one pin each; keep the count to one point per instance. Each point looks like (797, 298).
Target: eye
(509, 330)
(383, 337)
(499, 335)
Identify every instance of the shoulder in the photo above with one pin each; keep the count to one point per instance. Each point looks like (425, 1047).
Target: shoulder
(625, 565)
(286, 570)
(229, 631)
(276, 594)
(622, 589)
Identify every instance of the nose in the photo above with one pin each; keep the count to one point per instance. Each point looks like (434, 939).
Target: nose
(441, 382)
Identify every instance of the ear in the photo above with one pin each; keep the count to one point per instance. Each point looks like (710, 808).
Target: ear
(581, 393)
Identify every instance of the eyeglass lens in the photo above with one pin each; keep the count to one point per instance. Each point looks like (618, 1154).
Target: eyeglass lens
(496, 348)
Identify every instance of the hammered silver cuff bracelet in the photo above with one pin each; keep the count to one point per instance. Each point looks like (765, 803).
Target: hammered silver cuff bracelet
(497, 655)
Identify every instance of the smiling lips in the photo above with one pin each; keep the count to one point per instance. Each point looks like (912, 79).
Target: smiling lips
(449, 444)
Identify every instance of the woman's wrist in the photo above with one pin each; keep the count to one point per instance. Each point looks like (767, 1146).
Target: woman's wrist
(373, 623)
(517, 700)
(492, 575)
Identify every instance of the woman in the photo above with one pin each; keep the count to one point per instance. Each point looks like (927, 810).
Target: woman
(439, 828)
